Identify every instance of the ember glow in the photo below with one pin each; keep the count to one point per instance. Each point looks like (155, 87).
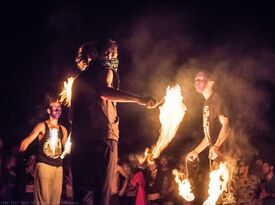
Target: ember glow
(53, 139)
(66, 93)
(218, 183)
(184, 186)
(171, 114)
(67, 147)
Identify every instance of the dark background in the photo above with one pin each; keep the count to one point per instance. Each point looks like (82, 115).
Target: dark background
(158, 45)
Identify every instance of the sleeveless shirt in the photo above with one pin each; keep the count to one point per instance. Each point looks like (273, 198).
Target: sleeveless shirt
(50, 146)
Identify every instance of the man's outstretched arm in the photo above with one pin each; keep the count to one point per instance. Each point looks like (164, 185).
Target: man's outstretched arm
(106, 92)
(112, 94)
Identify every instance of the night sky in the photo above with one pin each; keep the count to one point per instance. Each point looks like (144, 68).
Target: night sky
(160, 44)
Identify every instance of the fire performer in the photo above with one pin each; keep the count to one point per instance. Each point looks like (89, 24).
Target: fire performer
(215, 121)
(95, 122)
(48, 171)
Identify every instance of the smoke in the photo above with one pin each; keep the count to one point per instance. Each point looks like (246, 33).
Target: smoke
(239, 76)
(165, 51)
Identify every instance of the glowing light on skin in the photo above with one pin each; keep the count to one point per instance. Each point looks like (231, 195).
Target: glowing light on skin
(218, 182)
(184, 185)
(66, 93)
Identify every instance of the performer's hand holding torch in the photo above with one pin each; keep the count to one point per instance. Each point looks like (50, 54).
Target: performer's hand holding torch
(213, 153)
(149, 102)
(195, 152)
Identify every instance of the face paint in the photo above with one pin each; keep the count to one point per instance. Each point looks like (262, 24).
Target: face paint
(55, 111)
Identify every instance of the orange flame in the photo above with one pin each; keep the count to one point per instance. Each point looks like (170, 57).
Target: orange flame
(67, 147)
(141, 158)
(66, 93)
(184, 186)
(171, 114)
(218, 182)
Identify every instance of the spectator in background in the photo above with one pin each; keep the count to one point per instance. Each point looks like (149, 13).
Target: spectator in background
(138, 182)
(153, 184)
(267, 195)
(9, 180)
(257, 166)
(117, 190)
(130, 194)
(246, 184)
(27, 181)
(167, 181)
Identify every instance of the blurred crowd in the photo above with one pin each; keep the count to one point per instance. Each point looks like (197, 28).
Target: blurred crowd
(252, 181)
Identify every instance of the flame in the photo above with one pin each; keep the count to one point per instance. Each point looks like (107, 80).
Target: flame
(218, 182)
(171, 114)
(53, 139)
(184, 186)
(141, 158)
(67, 147)
(66, 93)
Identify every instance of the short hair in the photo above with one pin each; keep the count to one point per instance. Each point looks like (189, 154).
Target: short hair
(52, 100)
(208, 74)
(270, 162)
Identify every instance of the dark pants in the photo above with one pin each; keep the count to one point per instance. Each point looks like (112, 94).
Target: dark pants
(201, 181)
(93, 167)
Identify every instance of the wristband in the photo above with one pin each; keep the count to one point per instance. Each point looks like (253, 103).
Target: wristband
(196, 152)
(216, 146)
